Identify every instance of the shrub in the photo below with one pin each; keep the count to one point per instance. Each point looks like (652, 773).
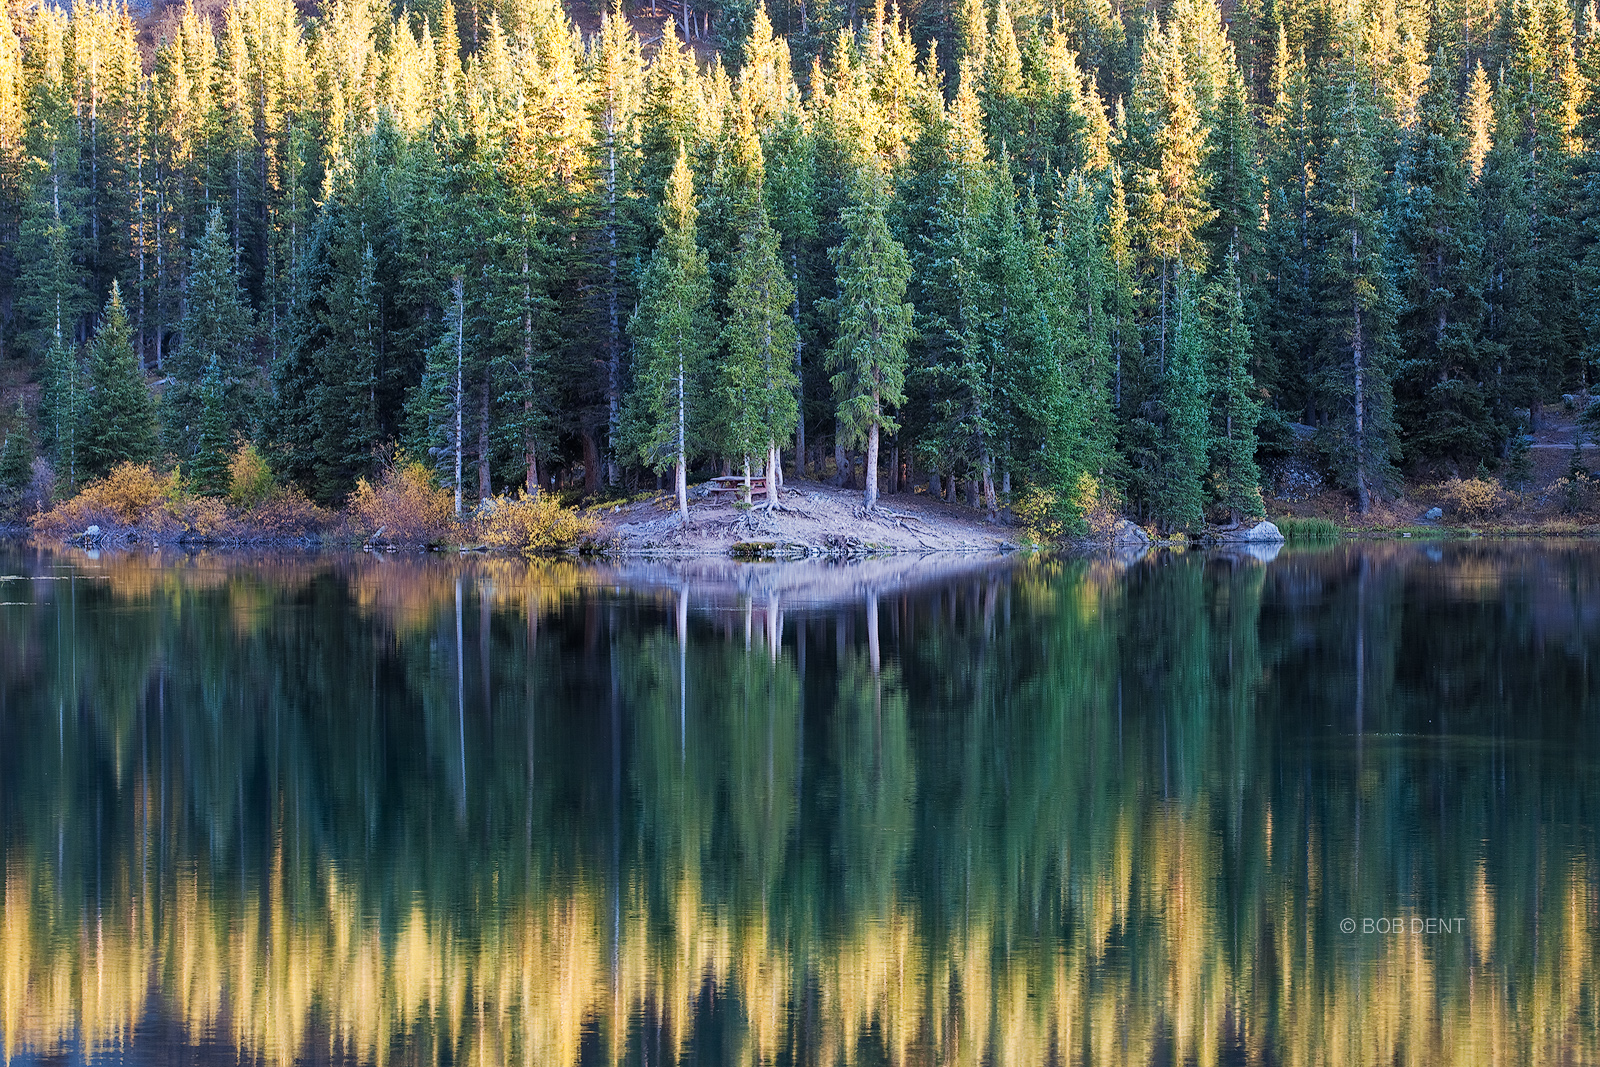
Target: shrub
(1047, 518)
(531, 525)
(286, 514)
(1310, 531)
(131, 495)
(250, 480)
(406, 506)
(1472, 498)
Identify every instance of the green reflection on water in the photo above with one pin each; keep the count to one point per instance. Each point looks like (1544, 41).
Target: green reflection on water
(475, 811)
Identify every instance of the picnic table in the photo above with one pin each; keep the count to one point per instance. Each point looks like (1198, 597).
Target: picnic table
(734, 484)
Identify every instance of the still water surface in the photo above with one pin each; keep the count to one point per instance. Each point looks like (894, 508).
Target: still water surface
(1338, 807)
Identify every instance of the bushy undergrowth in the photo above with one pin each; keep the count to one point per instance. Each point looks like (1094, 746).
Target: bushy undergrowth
(403, 506)
(533, 525)
(133, 497)
(1048, 516)
(1474, 499)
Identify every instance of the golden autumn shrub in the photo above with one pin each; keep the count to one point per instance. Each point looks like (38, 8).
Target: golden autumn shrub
(405, 507)
(1472, 498)
(287, 514)
(131, 495)
(531, 525)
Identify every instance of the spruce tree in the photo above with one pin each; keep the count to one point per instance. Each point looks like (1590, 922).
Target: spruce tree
(119, 421)
(1357, 304)
(673, 334)
(214, 433)
(16, 451)
(1176, 487)
(868, 357)
(758, 379)
(1079, 284)
(1441, 397)
(62, 402)
(1235, 408)
(216, 329)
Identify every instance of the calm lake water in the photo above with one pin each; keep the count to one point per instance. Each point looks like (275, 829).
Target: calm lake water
(1339, 807)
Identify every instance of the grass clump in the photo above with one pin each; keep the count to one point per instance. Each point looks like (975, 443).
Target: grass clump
(1308, 531)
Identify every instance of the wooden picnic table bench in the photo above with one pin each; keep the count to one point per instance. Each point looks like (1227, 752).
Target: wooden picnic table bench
(734, 483)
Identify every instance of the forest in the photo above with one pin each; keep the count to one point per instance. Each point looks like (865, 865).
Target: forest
(1085, 255)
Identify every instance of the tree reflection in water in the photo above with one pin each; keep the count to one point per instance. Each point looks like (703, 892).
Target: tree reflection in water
(395, 810)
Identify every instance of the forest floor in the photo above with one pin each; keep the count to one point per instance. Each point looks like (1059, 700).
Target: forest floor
(813, 519)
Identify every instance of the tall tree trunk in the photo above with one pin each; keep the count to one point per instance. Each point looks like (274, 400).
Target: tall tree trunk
(1363, 492)
(527, 381)
(613, 323)
(841, 465)
(799, 373)
(773, 461)
(680, 477)
(894, 467)
(989, 500)
(483, 444)
(870, 495)
(458, 289)
(592, 480)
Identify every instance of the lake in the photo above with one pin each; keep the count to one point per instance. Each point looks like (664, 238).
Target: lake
(1332, 807)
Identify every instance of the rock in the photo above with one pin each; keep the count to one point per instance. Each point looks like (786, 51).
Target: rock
(1433, 515)
(1126, 533)
(92, 533)
(1263, 531)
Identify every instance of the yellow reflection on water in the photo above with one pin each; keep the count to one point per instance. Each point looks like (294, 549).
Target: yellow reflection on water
(278, 975)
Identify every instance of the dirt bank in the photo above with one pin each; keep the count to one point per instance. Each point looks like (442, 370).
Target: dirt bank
(814, 519)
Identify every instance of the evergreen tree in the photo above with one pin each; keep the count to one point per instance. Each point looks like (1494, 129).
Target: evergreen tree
(216, 329)
(62, 402)
(214, 434)
(119, 420)
(16, 451)
(869, 355)
(673, 334)
(758, 379)
(1441, 397)
(1235, 409)
(1080, 284)
(1354, 380)
(1176, 486)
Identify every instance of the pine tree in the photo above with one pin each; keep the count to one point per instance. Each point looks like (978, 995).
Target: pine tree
(16, 451)
(217, 328)
(119, 421)
(758, 379)
(951, 268)
(1235, 409)
(1080, 284)
(214, 434)
(1167, 150)
(1176, 488)
(1441, 395)
(62, 402)
(1358, 307)
(869, 355)
(673, 334)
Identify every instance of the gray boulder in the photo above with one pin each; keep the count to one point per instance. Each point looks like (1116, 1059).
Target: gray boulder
(1263, 532)
(1433, 515)
(1126, 533)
